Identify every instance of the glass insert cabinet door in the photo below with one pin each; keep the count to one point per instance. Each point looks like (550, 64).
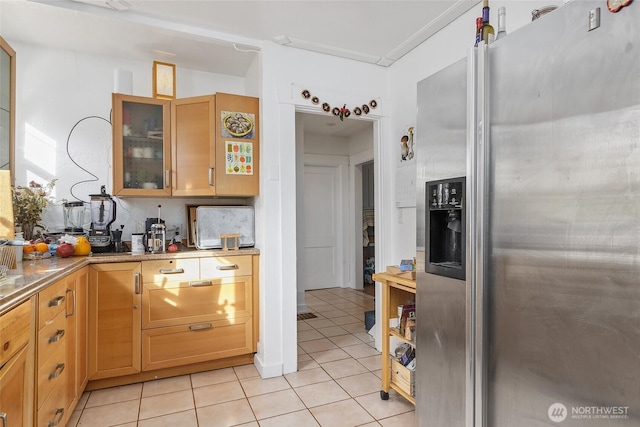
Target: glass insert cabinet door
(141, 147)
(7, 106)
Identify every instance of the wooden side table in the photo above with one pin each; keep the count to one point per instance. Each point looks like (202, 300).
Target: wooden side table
(395, 291)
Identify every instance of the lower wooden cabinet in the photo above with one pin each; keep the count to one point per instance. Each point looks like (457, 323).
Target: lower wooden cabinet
(14, 386)
(199, 342)
(207, 307)
(114, 319)
(15, 378)
(157, 314)
(77, 350)
(61, 349)
(52, 365)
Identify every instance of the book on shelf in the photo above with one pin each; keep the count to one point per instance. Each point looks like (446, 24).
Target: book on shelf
(407, 321)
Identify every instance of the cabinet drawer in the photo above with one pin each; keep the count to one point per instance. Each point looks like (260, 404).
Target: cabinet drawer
(403, 377)
(14, 330)
(196, 301)
(51, 301)
(225, 266)
(198, 342)
(52, 412)
(170, 270)
(51, 337)
(51, 373)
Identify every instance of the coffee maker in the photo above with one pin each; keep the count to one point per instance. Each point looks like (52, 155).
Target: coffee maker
(155, 236)
(103, 214)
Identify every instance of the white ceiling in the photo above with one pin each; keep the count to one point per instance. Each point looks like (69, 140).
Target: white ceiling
(201, 33)
(225, 36)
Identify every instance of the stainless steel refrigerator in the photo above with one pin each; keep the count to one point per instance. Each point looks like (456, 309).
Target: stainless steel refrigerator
(543, 329)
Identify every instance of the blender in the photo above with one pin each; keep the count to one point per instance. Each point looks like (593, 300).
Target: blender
(73, 217)
(103, 214)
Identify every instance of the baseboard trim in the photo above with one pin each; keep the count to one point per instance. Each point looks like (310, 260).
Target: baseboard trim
(267, 371)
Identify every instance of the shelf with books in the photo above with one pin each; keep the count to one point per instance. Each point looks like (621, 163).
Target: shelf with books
(398, 325)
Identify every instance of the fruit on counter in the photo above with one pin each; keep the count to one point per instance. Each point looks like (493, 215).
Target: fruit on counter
(83, 247)
(28, 248)
(42, 247)
(172, 247)
(65, 250)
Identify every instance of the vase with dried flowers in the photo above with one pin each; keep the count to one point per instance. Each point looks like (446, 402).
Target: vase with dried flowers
(29, 204)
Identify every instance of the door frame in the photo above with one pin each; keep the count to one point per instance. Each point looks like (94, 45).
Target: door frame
(287, 271)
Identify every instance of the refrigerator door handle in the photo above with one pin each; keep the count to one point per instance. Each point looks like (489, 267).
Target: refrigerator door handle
(480, 230)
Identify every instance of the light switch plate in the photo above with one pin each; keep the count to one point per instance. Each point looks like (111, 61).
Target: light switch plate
(594, 18)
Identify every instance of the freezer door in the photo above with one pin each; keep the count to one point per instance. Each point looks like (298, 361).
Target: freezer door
(563, 278)
(440, 301)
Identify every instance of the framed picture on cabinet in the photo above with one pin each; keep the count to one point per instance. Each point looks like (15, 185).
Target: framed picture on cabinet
(164, 80)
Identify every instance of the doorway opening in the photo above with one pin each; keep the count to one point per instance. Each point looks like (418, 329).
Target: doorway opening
(335, 167)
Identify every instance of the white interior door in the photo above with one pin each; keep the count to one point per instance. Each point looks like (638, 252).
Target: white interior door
(322, 227)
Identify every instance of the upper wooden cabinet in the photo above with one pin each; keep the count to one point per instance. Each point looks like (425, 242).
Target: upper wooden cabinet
(200, 146)
(237, 145)
(7, 107)
(141, 146)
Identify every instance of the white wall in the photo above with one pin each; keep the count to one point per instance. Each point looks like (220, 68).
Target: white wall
(445, 47)
(286, 71)
(58, 88)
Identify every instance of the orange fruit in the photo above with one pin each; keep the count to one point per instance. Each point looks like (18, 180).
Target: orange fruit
(27, 249)
(42, 247)
(82, 247)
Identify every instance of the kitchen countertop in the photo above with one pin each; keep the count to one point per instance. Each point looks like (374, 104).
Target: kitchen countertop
(31, 276)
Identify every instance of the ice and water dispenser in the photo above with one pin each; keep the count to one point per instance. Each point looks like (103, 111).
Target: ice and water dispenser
(445, 228)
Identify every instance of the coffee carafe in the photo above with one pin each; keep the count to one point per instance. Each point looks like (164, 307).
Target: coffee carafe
(103, 214)
(156, 234)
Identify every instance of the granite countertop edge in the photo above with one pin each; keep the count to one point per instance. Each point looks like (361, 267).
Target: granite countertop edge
(32, 276)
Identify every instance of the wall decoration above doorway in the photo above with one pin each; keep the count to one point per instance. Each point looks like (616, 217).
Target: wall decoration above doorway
(341, 112)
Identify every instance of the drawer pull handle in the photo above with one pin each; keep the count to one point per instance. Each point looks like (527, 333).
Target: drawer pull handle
(200, 327)
(56, 301)
(201, 283)
(73, 294)
(227, 267)
(57, 372)
(171, 270)
(59, 416)
(3, 417)
(136, 283)
(59, 334)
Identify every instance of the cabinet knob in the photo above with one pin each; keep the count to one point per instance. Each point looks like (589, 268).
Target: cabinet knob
(135, 306)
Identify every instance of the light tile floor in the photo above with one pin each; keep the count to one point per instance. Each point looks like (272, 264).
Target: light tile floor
(337, 384)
